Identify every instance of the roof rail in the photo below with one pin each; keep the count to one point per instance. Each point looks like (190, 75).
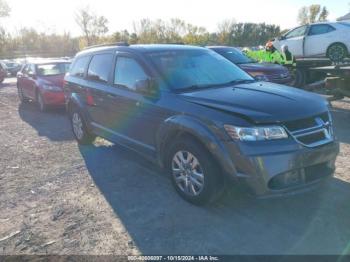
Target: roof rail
(110, 44)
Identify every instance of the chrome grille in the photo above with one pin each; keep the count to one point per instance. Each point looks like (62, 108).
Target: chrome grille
(313, 131)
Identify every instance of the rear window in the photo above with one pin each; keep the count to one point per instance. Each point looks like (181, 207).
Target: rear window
(79, 66)
(52, 69)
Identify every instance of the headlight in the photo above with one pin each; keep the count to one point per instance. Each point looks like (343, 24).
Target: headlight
(256, 133)
(52, 88)
(260, 76)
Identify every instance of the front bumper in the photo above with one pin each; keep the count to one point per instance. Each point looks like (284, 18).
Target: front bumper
(267, 170)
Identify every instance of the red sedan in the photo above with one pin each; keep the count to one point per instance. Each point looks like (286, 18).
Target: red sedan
(42, 82)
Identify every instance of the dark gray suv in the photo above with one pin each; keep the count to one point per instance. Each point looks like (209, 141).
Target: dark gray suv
(202, 118)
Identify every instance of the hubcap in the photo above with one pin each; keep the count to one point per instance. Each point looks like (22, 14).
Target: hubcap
(188, 173)
(77, 126)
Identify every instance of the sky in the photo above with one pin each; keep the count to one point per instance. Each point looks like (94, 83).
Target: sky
(58, 15)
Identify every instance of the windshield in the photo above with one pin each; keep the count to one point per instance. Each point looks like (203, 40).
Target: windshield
(184, 69)
(53, 69)
(12, 64)
(235, 56)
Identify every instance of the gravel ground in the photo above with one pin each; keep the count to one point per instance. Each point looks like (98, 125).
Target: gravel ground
(60, 198)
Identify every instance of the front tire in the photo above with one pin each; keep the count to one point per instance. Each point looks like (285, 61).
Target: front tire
(79, 128)
(194, 173)
(337, 52)
(41, 103)
(21, 96)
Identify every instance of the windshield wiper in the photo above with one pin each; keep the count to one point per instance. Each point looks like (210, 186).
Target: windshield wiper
(238, 81)
(198, 87)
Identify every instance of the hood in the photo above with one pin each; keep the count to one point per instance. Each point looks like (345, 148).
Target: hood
(261, 102)
(267, 68)
(55, 80)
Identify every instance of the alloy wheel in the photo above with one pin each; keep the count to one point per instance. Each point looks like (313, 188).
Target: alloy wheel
(77, 126)
(188, 173)
(337, 53)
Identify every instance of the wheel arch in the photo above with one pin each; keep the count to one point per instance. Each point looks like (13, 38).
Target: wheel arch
(73, 101)
(186, 126)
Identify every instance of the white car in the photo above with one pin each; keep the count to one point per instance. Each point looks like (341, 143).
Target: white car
(325, 39)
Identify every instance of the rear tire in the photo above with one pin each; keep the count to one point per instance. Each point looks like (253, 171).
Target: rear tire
(337, 52)
(194, 173)
(79, 128)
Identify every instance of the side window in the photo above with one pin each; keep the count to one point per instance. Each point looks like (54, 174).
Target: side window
(25, 69)
(31, 69)
(79, 66)
(300, 31)
(127, 72)
(320, 29)
(100, 67)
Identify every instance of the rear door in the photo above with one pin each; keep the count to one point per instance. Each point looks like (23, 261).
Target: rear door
(318, 39)
(98, 88)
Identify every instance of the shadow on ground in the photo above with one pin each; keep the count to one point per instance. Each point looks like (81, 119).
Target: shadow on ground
(52, 124)
(160, 222)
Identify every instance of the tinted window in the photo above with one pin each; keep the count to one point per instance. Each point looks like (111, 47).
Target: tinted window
(128, 72)
(300, 31)
(235, 56)
(100, 67)
(201, 68)
(79, 66)
(52, 69)
(320, 29)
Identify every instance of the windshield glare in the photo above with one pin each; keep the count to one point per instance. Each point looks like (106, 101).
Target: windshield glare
(195, 68)
(236, 56)
(53, 69)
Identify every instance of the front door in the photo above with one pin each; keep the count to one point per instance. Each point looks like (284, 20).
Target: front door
(295, 41)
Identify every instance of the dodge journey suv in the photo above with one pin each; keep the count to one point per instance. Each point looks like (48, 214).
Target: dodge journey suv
(202, 119)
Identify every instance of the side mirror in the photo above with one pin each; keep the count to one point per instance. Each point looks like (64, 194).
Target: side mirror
(146, 86)
(282, 37)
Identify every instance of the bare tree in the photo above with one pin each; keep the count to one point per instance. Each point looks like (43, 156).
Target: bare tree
(312, 14)
(225, 31)
(91, 25)
(4, 9)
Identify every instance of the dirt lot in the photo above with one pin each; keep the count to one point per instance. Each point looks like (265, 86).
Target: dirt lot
(60, 198)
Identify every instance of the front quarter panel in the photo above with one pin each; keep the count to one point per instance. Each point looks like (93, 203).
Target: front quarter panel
(208, 135)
